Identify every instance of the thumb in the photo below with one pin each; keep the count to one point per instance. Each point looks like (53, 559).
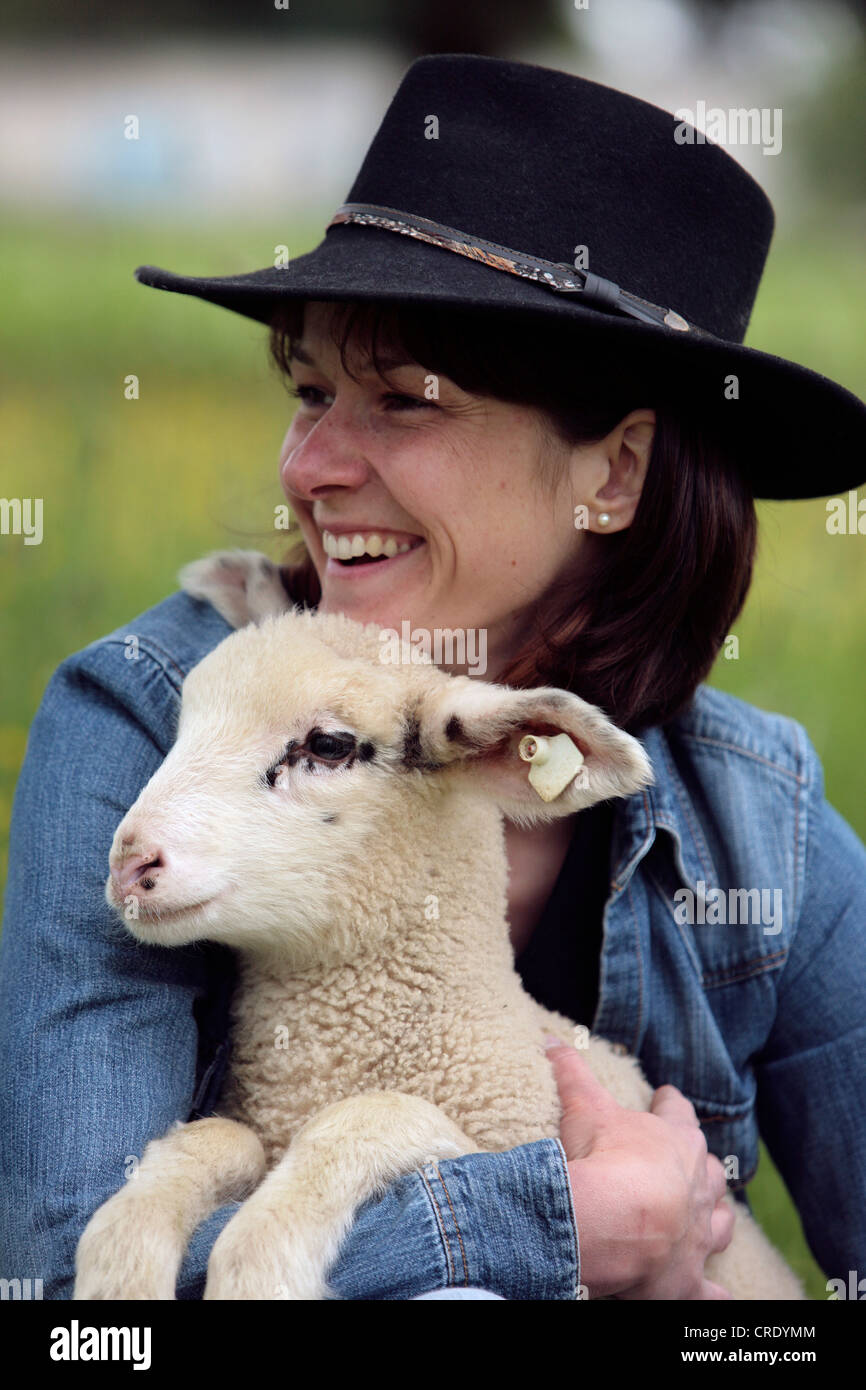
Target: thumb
(585, 1102)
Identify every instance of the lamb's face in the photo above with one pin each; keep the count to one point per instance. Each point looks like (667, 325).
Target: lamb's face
(271, 791)
(300, 755)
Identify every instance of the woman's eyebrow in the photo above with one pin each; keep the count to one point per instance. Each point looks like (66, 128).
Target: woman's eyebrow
(388, 364)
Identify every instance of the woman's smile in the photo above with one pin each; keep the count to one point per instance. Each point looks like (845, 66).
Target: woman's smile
(406, 490)
(375, 553)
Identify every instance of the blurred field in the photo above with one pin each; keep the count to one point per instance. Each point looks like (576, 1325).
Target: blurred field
(133, 489)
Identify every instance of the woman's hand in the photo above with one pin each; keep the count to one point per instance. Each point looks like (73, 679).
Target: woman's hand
(647, 1194)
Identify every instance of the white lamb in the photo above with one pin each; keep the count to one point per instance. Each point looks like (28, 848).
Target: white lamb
(339, 823)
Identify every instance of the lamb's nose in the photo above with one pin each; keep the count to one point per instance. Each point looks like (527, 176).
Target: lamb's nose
(138, 872)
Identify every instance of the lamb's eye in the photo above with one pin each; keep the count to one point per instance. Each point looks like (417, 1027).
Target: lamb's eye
(330, 747)
(318, 750)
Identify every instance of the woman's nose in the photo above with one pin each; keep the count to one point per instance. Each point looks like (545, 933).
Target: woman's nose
(329, 454)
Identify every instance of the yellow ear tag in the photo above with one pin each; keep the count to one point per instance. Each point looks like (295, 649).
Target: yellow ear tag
(555, 761)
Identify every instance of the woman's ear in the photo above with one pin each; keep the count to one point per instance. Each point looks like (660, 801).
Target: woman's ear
(627, 450)
(496, 737)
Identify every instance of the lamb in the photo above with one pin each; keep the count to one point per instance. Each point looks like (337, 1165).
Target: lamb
(338, 821)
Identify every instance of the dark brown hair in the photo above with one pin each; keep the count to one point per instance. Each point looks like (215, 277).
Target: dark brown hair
(636, 632)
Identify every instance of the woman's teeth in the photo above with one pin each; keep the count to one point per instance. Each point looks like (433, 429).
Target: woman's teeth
(353, 547)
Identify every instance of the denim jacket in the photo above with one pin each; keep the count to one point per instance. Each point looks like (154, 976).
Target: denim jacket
(752, 1002)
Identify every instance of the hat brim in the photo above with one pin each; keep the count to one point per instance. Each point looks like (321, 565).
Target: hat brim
(798, 433)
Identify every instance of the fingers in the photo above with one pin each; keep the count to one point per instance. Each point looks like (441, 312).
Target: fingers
(575, 1079)
(713, 1292)
(671, 1104)
(722, 1224)
(589, 1112)
(716, 1175)
(585, 1103)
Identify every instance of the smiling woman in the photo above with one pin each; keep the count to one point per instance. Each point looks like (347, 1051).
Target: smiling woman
(488, 437)
(521, 414)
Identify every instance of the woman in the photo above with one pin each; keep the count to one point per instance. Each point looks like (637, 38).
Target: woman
(572, 465)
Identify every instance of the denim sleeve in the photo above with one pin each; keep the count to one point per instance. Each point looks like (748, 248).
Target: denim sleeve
(98, 1034)
(497, 1221)
(811, 1077)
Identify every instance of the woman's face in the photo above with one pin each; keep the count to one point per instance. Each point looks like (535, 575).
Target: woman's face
(452, 482)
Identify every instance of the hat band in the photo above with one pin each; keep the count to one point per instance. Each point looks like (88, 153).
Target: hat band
(563, 279)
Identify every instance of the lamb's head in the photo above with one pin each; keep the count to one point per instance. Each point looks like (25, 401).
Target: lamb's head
(301, 756)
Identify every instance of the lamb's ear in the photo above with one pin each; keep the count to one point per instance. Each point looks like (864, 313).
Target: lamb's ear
(477, 729)
(243, 585)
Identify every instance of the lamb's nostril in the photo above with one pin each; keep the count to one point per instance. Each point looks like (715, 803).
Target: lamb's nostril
(138, 872)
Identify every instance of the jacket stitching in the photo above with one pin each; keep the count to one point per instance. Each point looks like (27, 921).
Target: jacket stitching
(746, 753)
(157, 654)
(563, 1160)
(441, 1224)
(701, 848)
(687, 941)
(708, 978)
(732, 1114)
(743, 972)
(799, 874)
(639, 1019)
(456, 1225)
(617, 884)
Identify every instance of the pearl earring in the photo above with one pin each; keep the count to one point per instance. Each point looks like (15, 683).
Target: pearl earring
(604, 518)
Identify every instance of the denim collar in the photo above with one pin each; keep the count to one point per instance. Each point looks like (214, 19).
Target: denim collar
(666, 805)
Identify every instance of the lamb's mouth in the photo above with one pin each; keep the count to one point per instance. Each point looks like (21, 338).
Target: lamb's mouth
(158, 914)
(367, 548)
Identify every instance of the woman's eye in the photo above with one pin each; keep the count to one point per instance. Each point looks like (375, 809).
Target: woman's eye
(331, 747)
(392, 400)
(310, 395)
(395, 401)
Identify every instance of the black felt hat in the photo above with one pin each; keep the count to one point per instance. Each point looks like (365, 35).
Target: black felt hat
(481, 186)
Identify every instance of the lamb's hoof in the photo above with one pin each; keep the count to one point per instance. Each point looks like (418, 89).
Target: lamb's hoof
(250, 1261)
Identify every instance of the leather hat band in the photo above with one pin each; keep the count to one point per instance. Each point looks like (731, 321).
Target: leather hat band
(564, 279)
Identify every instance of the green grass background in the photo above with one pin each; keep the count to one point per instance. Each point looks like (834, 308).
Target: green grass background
(133, 489)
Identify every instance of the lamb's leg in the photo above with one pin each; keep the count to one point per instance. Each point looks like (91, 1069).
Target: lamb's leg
(133, 1245)
(287, 1235)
